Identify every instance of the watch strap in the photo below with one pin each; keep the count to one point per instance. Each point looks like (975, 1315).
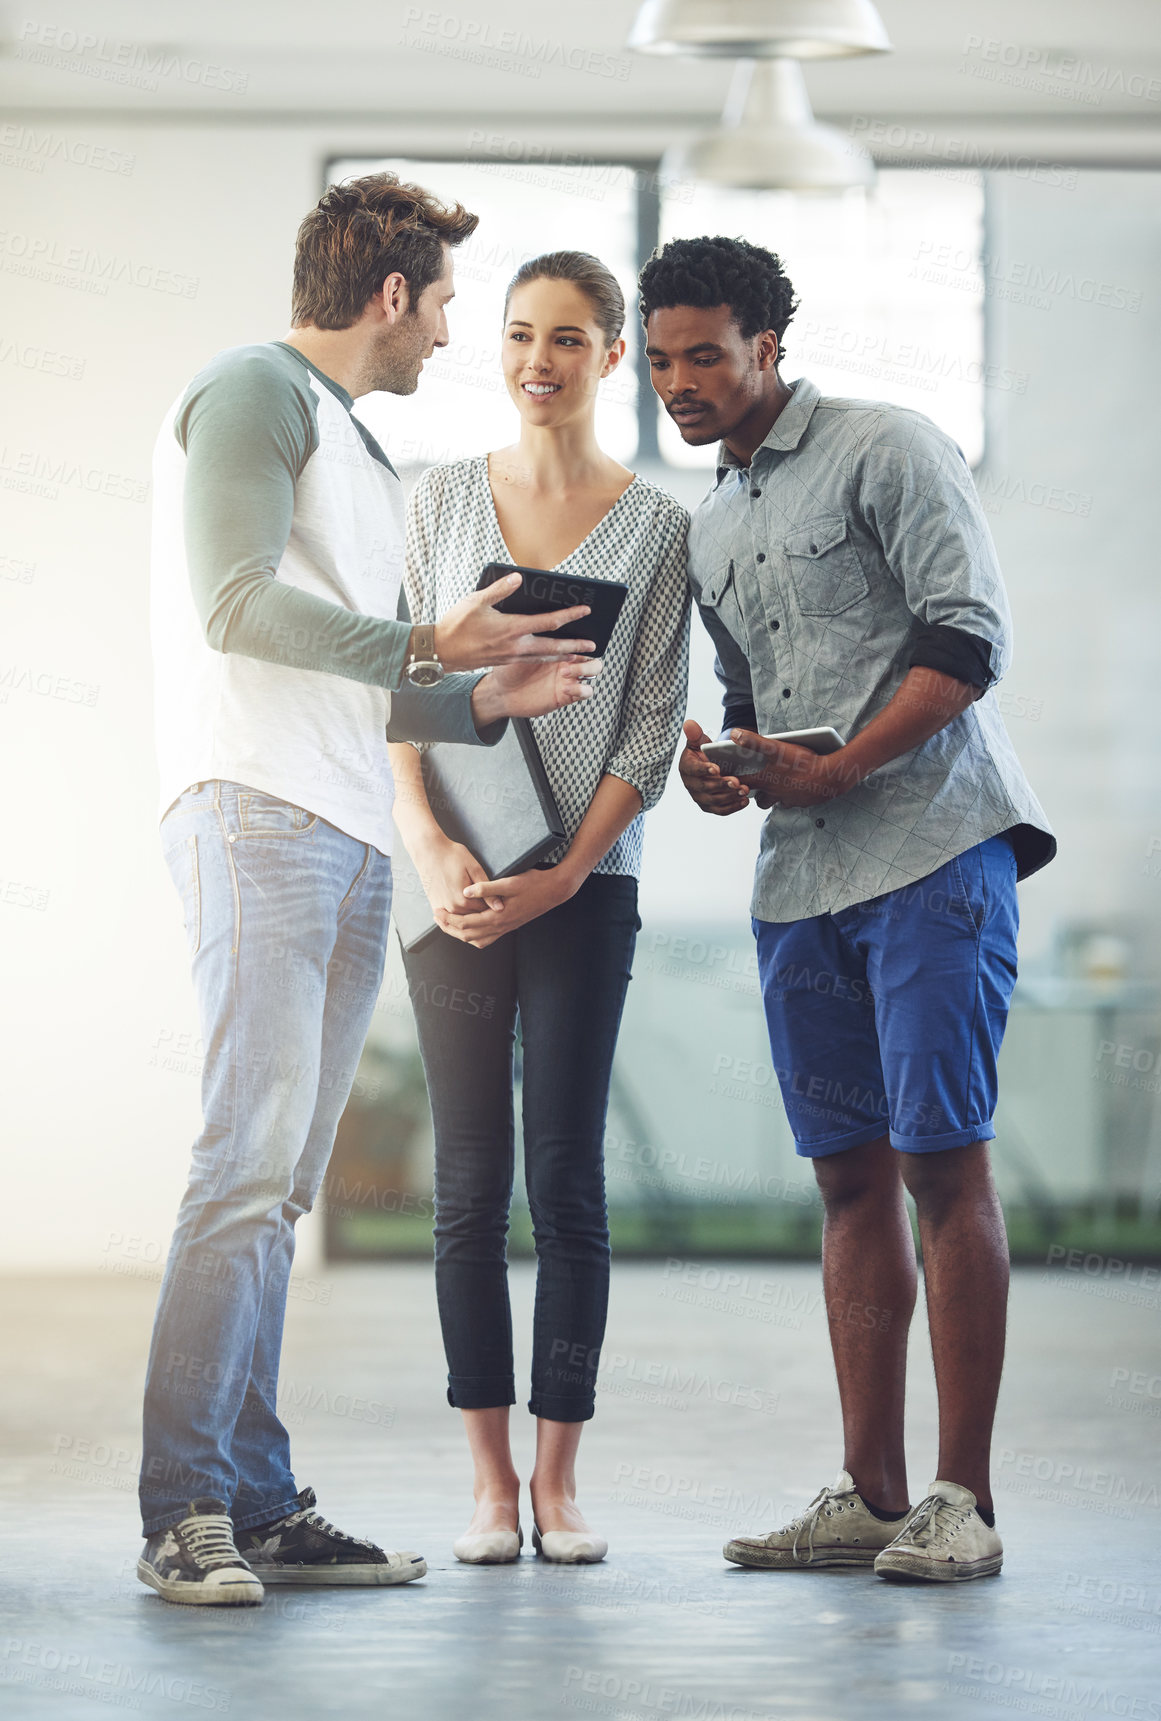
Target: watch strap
(422, 643)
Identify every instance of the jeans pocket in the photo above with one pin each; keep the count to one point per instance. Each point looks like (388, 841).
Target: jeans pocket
(182, 860)
(266, 816)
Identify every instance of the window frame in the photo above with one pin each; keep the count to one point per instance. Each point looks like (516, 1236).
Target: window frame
(647, 192)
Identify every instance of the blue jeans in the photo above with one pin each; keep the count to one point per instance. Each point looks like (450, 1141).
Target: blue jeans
(286, 919)
(565, 975)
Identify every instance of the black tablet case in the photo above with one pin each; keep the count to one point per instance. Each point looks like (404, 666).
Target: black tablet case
(497, 801)
(561, 591)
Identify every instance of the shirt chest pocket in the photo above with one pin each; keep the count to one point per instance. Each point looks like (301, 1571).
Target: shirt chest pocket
(720, 593)
(824, 565)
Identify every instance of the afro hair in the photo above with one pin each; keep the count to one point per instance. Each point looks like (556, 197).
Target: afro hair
(709, 272)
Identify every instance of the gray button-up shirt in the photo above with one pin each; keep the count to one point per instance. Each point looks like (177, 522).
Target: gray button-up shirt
(811, 567)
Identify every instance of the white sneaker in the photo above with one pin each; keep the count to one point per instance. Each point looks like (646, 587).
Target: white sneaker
(836, 1529)
(944, 1540)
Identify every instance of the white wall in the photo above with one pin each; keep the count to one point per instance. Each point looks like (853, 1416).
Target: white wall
(96, 1138)
(1085, 590)
(95, 1131)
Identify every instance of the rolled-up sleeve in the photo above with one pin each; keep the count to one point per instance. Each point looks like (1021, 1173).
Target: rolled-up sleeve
(658, 677)
(916, 493)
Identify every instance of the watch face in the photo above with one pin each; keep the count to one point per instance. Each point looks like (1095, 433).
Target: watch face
(425, 674)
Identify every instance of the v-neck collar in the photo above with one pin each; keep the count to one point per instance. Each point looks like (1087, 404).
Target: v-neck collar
(607, 515)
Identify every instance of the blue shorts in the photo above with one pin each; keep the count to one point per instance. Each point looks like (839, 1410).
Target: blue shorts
(887, 1017)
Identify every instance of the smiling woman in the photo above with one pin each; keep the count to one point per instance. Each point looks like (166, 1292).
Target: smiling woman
(551, 946)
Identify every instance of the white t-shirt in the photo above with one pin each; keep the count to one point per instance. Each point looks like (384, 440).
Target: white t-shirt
(277, 561)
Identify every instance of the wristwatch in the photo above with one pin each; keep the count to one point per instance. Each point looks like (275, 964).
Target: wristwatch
(423, 667)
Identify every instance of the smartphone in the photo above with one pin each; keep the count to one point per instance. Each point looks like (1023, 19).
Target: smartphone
(541, 589)
(736, 761)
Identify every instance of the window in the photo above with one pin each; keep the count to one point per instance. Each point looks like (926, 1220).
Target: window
(890, 287)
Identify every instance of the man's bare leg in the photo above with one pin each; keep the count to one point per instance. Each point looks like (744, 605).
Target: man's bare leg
(965, 1266)
(869, 1275)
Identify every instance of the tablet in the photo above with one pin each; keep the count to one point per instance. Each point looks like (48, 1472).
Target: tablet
(497, 801)
(738, 761)
(542, 589)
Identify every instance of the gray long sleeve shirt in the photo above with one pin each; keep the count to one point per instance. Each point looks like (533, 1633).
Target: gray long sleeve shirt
(277, 564)
(855, 529)
(248, 425)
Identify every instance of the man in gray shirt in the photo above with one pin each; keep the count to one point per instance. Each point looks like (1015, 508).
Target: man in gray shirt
(843, 567)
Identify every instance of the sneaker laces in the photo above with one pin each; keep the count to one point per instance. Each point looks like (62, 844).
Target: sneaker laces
(808, 1521)
(209, 1540)
(315, 1520)
(932, 1516)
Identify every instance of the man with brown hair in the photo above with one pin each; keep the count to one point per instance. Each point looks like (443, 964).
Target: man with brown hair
(282, 669)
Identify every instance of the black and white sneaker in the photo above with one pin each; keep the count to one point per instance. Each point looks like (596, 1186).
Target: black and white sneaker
(303, 1548)
(197, 1563)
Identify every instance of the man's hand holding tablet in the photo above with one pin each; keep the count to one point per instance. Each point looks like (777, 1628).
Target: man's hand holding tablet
(474, 632)
(786, 771)
(542, 590)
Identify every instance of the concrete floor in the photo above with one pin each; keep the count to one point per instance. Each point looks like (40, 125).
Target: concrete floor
(718, 1414)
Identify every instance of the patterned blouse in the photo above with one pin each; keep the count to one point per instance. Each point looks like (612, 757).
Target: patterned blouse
(630, 726)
